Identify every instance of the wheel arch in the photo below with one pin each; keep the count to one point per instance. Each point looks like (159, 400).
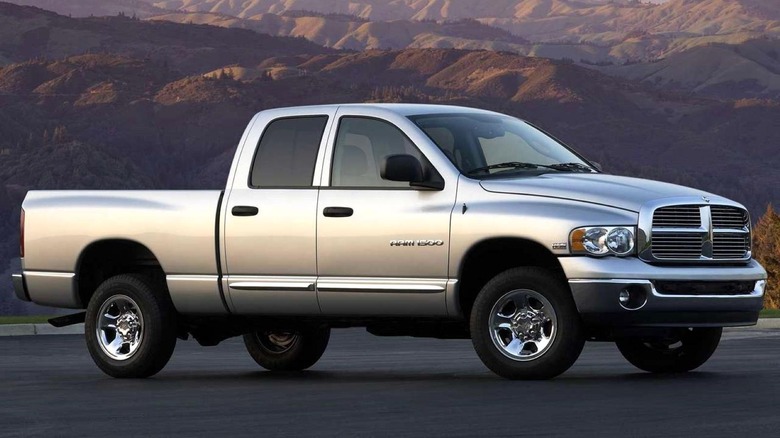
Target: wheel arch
(489, 257)
(106, 258)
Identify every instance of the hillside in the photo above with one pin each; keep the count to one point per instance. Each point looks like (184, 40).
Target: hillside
(606, 22)
(123, 103)
(350, 32)
(535, 20)
(86, 8)
(726, 71)
(27, 33)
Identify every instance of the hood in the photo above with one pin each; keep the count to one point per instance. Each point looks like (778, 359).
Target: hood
(597, 188)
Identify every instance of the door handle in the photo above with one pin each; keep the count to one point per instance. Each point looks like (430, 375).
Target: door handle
(244, 210)
(337, 212)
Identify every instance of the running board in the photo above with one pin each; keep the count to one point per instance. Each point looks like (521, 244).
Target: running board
(63, 321)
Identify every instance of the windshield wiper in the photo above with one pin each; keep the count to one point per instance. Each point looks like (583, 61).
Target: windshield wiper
(506, 165)
(563, 167)
(571, 167)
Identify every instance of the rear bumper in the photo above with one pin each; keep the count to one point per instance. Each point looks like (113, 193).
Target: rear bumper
(20, 287)
(598, 302)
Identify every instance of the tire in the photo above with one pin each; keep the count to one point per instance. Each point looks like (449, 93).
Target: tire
(541, 307)
(145, 316)
(287, 351)
(686, 350)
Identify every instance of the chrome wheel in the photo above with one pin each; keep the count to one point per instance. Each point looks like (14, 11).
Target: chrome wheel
(277, 342)
(523, 324)
(120, 327)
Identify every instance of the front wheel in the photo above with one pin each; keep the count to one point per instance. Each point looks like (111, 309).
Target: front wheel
(525, 325)
(278, 350)
(683, 350)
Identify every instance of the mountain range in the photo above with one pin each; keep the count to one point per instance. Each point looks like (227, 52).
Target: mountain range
(121, 102)
(716, 48)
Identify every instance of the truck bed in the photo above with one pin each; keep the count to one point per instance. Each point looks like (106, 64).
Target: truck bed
(177, 226)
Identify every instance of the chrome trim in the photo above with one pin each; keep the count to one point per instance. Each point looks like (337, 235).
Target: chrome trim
(63, 275)
(708, 238)
(758, 288)
(382, 285)
(272, 283)
(645, 230)
(273, 294)
(191, 277)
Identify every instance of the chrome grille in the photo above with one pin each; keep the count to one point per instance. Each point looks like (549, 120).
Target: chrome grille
(686, 233)
(675, 246)
(728, 217)
(730, 246)
(679, 216)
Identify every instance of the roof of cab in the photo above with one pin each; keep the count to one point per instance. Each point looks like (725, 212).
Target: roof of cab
(403, 109)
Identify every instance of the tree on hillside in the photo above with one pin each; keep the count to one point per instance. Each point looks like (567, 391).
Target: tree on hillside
(766, 249)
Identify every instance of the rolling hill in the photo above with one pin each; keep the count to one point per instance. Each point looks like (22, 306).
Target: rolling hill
(350, 32)
(719, 70)
(535, 20)
(114, 102)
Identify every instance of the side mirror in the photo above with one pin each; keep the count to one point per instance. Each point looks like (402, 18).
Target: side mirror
(597, 165)
(406, 168)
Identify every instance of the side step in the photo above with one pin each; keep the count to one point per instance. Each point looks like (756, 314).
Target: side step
(63, 321)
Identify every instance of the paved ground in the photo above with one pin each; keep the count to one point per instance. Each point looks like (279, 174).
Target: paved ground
(368, 386)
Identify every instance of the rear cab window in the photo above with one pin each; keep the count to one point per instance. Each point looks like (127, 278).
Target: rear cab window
(287, 153)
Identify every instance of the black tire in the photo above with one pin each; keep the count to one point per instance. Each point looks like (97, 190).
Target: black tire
(157, 331)
(287, 351)
(566, 344)
(685, 350)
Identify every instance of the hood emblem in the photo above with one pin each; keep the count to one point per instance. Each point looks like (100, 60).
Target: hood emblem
(705, 199)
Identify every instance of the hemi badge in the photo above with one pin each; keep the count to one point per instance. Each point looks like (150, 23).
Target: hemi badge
(560, 245)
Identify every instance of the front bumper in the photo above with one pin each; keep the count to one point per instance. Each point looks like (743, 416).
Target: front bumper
(596, 285)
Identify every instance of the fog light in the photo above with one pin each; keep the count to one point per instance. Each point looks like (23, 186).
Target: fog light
(633, 297)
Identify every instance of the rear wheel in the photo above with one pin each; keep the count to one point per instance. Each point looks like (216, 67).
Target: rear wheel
(130, 328)
(279, 350)
(525, 325)
(683, 350)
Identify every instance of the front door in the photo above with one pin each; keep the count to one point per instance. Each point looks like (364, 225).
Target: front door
(382, 246)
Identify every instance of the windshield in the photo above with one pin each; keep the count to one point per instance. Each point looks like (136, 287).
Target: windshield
(483, 145)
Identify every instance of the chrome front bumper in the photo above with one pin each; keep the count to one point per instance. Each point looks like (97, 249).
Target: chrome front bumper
(596, 285)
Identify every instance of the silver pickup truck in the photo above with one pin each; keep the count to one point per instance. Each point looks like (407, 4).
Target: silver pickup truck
(409, 220)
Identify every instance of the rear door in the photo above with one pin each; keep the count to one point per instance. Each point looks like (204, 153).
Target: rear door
(270, 218)
(382, 246)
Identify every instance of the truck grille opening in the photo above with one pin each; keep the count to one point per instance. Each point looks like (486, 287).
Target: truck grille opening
(681, 216)
(704, 287)
(700, 233)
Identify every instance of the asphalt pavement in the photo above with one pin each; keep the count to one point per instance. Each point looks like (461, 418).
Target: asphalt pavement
(370, 386)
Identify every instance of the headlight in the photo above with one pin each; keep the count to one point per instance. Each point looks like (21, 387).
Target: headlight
(601, 241)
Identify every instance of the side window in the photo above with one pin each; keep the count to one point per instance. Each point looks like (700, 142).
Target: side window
(287, 152)
(361, 146)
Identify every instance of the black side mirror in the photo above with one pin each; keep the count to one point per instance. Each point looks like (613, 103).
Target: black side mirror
(406, 168)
